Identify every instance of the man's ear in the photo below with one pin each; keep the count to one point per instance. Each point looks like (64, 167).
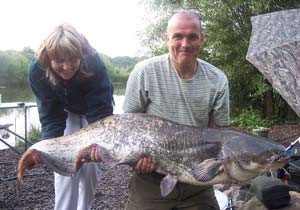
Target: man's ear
(167, 38)
(202, 34)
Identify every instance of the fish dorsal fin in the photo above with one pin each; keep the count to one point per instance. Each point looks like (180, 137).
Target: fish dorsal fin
(207, 170)
(167, 184)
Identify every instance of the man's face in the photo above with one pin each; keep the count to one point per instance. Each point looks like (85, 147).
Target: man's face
(184, 39)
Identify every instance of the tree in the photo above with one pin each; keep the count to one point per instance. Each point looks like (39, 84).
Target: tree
(13, 68)
(229, 24)
(227, 29)
(28, 52)
(116, 74)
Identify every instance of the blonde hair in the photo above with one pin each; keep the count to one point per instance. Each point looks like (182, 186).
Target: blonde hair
(64, 42)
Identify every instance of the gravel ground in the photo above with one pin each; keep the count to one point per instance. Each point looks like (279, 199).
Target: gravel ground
(38, 191)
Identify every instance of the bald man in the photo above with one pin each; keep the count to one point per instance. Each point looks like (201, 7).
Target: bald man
(183, 88)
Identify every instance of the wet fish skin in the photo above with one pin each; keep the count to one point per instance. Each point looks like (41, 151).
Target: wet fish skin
(185, 153)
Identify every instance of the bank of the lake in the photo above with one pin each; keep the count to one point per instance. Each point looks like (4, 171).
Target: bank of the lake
(16, 116)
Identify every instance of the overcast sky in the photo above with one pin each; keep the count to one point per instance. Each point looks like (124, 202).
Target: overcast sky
(110, 25)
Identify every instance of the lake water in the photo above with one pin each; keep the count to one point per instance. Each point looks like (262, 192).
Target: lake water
(16, 117)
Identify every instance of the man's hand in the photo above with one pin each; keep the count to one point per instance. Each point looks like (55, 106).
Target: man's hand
(144, 165)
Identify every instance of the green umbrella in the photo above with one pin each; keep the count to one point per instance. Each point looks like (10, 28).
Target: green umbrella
(274, 50)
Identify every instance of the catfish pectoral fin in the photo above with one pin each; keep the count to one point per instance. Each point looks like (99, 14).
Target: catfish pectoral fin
(207, 170)
(167, 184)
(106, 157)
(57, 164)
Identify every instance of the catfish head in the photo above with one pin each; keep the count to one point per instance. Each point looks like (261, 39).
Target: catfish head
(247, 156)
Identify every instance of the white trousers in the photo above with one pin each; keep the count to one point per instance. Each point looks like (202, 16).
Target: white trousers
(76, 193)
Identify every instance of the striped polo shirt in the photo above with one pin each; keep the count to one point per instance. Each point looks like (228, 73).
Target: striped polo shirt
(154, 87)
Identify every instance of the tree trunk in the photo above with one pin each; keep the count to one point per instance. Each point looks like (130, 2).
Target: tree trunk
(268, 101)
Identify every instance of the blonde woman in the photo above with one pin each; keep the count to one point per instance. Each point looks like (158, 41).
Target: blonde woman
(72, 89)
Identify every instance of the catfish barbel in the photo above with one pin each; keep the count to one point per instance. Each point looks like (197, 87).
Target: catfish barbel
(183, 153)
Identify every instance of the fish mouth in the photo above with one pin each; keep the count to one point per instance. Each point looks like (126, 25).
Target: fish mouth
(280, 158)
(278, 161)
(283, 160)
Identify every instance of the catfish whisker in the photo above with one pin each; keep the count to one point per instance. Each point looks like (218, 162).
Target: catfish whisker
(273, 159)
(292, 164)
(249, 194)
(286, 172)
(265, 168)
(272, 175)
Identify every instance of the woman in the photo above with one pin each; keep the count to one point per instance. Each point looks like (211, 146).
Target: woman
(72, 89)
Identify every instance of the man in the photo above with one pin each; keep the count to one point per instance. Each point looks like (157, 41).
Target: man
(180, 87)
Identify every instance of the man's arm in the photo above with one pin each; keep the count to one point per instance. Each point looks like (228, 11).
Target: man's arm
(136, 100)
(219, 115)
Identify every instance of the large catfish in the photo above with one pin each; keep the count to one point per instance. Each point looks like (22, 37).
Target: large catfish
(183, 153)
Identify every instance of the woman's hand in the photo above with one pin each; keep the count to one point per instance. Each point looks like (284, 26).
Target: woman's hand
(144, 165)
(94, 156)
(36, 158)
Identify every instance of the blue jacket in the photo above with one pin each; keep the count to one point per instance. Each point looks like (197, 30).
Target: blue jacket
(91, 96)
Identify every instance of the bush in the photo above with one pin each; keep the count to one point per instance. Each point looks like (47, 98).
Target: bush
(34, 135)
(250, 119)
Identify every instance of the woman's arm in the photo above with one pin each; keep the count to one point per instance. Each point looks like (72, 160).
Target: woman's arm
(50, 108)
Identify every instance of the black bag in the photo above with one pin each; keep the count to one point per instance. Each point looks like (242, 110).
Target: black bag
(272, 192)
(294, 172)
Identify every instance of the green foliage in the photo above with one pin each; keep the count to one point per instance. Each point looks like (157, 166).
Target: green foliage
(284, 113)
(117, 75)
(227, 27)
(35, 134)
(119, 69)
(228, 32)
(13, 68)
(21, 93)
(28, 52)
(250, 119)
(124, 62)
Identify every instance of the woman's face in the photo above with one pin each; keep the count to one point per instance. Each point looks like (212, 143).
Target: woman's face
(66, 68)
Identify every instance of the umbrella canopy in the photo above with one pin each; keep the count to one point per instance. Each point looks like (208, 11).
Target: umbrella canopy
(274, 50)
